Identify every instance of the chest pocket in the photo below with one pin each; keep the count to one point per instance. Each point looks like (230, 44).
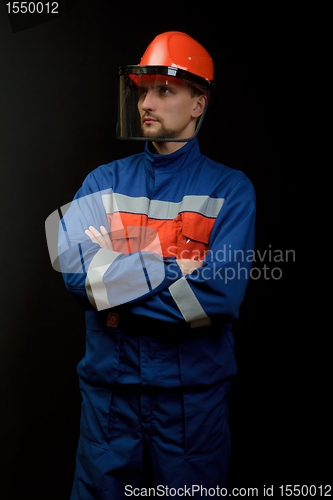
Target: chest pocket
(193, 240)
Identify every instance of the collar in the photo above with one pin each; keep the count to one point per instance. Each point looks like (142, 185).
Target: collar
(172, 162)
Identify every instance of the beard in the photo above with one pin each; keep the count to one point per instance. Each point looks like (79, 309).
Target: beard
(168, 133)
(162, 132)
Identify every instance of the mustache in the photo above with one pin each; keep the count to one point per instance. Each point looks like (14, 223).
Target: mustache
(149, 115)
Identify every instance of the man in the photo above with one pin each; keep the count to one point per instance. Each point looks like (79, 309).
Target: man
(153, 246)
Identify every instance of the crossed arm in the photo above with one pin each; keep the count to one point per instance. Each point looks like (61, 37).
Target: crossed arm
(101, 277)
(102, 238)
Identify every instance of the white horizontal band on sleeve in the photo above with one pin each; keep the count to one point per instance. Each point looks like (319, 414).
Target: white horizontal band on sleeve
(188, 304)
(95, 287)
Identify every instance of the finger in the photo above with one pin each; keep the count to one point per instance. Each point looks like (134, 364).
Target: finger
(91, 236)
(95, 236)
(94, 231)
(188, 266)
(106, 237)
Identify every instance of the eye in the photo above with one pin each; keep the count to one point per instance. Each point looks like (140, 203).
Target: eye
(142, 91)
(164, 90)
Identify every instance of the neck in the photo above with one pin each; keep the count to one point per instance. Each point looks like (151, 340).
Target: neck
(166, 148)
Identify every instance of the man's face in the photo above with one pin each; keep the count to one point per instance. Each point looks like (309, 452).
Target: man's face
(166, 107)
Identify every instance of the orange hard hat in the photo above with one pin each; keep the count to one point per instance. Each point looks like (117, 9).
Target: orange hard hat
(178, 50)
(171, 54)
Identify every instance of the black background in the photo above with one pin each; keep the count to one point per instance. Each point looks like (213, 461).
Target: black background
(58, 115)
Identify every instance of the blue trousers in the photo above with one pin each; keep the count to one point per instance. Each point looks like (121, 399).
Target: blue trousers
(134, 437)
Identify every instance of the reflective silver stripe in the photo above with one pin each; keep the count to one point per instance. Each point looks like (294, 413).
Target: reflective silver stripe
(201, 322)
(204, 205)
(108, 200)
(163, 210)
(187, 303)
(95, 287)
(115, 202)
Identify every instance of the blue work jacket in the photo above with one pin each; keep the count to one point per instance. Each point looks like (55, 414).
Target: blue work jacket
(157, 209)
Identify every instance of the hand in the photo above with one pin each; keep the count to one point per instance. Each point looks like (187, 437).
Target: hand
(102, 238)
(187, 266)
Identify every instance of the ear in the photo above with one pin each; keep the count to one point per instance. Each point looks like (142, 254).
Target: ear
(199, 105)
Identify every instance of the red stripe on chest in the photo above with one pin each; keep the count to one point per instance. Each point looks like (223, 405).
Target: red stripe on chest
(186, 236)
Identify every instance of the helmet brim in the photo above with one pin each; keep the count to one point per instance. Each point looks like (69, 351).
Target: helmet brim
(136, 70)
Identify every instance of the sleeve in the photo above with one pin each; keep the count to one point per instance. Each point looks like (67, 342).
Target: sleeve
(100, 278)
(218, 287)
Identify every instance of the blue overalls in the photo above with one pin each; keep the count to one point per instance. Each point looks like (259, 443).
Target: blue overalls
(159, 347)
(142, 428)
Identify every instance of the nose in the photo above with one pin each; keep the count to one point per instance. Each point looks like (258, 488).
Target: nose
(148, 101)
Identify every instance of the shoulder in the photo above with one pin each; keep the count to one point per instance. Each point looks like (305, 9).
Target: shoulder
(226, 179)
(111, 168)
(102, 177)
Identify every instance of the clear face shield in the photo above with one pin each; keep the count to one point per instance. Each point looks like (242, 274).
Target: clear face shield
(154, 103)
